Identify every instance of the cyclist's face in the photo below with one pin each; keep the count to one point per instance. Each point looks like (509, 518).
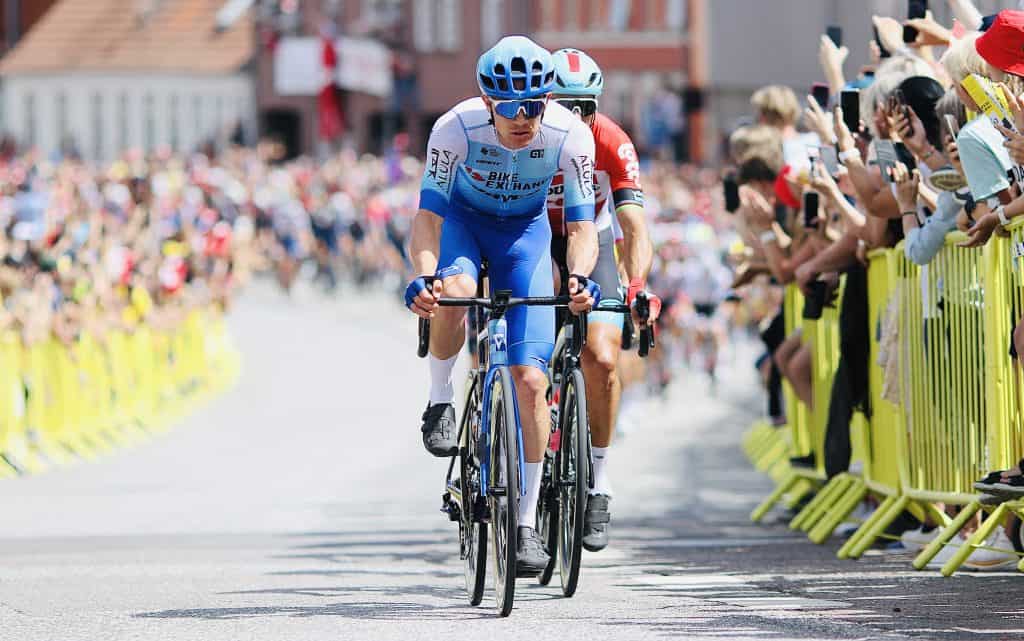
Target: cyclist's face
(514, 133)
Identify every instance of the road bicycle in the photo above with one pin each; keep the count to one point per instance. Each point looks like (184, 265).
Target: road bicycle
(490, 479)
(568, 462)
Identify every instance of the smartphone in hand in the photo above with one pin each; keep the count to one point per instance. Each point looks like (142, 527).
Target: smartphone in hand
(849, 100)
(835, 34)
(820, 93)
(915, 9)
(731, 191)
(811, 203)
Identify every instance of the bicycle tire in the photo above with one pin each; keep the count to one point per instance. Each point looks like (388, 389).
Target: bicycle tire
(573, 475)
(474, 532)
(504, 473)
(547, 518)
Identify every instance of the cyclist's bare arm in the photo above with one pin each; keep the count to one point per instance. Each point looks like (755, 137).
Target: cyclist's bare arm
(581, 251)
(424, 242)
(636, 252)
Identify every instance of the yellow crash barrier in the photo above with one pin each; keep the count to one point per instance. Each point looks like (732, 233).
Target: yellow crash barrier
(61, 403)
(947, 398)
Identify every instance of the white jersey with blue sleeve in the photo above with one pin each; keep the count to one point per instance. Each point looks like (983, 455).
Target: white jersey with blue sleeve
(469, 170)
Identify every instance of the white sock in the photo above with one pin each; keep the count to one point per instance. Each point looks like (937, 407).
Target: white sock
(528, 503)
(441, 388)
(601, 483)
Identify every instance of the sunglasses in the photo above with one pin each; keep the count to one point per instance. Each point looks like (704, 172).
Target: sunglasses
(583, 106)
(510, 108)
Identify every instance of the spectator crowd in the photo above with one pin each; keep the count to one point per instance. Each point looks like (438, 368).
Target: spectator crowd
(924, 141)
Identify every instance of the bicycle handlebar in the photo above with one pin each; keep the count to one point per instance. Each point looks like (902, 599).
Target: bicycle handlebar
(487, 303)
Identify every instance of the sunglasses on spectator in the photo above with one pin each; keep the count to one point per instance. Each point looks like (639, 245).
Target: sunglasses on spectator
(583, 106)
(510, 109)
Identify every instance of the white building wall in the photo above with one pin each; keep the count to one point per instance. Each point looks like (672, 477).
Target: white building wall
(235, 93)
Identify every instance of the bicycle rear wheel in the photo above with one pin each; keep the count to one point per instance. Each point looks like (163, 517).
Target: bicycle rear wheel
(474, 533)
(573, 468)
(547, 516)
(503, 488)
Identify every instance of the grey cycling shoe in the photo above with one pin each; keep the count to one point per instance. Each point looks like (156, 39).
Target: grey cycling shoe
(439, 431)
(531, 557)
(595, 523)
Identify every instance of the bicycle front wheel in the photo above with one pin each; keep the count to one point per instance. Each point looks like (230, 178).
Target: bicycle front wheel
(503, 488)
(573, 466)
(474, 533)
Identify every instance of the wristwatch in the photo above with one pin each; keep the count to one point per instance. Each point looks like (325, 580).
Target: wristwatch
(1001, 212)
(849, 154)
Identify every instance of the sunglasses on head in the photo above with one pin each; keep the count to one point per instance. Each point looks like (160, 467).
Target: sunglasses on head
(583, 106)
(510, 109)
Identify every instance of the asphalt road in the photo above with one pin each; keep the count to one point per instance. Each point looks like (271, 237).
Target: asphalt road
(300, 505)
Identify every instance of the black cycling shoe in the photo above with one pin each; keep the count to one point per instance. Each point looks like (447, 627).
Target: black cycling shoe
(595, 523)
(1013, 487)
(531, 557)
(439, 433)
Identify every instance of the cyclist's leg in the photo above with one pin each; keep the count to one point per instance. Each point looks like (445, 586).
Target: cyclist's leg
(600, 360)
(457, 267)
(520, 261)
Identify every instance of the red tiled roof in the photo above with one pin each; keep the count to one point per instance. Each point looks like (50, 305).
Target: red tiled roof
(107, 35)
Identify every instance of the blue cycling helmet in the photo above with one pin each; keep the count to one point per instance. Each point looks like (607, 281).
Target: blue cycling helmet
(516, 68)
(576, 74)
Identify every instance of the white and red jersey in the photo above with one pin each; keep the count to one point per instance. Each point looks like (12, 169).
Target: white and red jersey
(616, 177)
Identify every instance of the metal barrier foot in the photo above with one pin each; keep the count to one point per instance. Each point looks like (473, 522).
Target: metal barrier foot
(813, 511)
(878, 528)
(854, 494)
(978, 538)
(773, 498)
(799, 491)
(947, 533)
(869, 528)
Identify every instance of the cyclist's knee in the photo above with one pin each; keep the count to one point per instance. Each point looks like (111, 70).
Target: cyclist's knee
(529, 380)
(459, 286)
(602, 356)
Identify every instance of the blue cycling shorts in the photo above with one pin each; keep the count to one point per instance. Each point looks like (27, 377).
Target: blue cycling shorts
(518, 253)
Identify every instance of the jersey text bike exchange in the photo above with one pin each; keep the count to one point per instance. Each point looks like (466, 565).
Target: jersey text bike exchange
(469, 170)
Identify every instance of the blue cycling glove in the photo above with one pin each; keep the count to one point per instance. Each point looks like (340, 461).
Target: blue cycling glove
(592, 287)
(417, 285)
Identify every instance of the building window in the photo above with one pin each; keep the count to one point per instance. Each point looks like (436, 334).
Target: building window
(30, 119)
(97, 126)
(173, 121)
(197, 115)
(122, 118)
(62, 119)
(148, 123)
(220, 116)
(492, 14)
(675, 15)
(437, 25)
(618, 15)
(547, 15)
(571, 17)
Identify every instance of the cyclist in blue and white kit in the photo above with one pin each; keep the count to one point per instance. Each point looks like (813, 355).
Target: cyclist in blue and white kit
(489, 163)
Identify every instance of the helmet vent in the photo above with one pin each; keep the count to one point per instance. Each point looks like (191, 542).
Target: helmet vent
(594, 77)
(486, 82)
